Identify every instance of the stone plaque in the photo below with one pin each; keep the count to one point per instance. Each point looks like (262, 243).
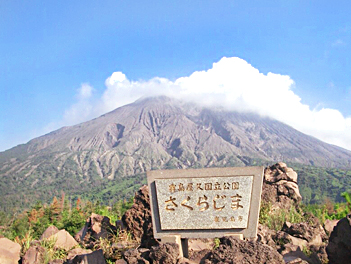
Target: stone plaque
(205, 203)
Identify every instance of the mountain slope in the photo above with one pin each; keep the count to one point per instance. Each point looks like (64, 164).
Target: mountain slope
(158, 133)
(153, 132)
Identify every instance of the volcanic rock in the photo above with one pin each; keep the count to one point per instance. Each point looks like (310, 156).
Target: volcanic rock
(329, 225)
(265, 236)
(9, 251)
(56, 261)
(312, 234)
(77, 251)
(121, 261)
(96, 227)
(63, 240)
(198, 249)
(232, 250)
(293, 238)
(280, 186)
(296, 257)
(339, 247)
(137, 256)
(51, 230)
(166, 253)
(319, 253)
(138, 219)
(96, 257)
(34, 255)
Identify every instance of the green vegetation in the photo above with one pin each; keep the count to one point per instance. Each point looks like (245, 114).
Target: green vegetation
(318, 184)
(16, 197)
(51, 252)
(28, 226)
(302, 213)
(275, 220)
(60, 213)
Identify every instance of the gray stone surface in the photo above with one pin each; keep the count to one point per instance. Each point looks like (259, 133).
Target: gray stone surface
(204, 203)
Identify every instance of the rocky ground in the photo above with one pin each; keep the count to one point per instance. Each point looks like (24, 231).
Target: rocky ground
(100, 241)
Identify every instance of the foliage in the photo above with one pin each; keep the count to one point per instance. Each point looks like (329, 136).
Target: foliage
(317, 184)
(217, 242)
(29, 225)
(275, 219)
(51, 252)
(302, 213)
(25, 242)
(347, 196)
(60, 213)
(107, 245)
(20, 194)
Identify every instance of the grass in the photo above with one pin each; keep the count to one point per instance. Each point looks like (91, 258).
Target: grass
(51, 252)
(107, 245)
(25, 242)
(275, 219)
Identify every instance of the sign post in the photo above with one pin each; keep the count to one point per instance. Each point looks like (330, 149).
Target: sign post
(205, 203)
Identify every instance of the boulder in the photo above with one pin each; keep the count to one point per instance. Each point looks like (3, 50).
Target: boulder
(121, 261)
(166, 253)
(96, 227)
(137, 256)
(313, 234)
(96, 257)
(232, 250)
(278, 172)
(319, 254)
(197, 256)
(279, 240)
(200, 244)
(296, 257)
(51, 230)
(282, 239)
(77, 251)
(296, 261)
(280, 186)
(138, 221)
(57, 261)
(329, 225)
(187, 261)
(63, 240)
(9, 251)
(265, 236)
(198, 248)
(293, 239)
(339, 247)
(34, 255)
(79, 236)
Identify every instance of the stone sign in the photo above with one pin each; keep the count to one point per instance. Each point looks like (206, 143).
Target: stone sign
(203, 203)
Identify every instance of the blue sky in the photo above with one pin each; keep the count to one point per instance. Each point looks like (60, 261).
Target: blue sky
(49, 49)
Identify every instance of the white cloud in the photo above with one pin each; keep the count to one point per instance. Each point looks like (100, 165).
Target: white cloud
(85, 91)
(82, 110)
(232, 83)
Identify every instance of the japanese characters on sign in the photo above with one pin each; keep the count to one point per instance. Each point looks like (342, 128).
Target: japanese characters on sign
(204, 203)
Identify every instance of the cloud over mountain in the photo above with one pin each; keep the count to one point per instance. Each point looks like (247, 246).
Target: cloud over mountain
(231, 83)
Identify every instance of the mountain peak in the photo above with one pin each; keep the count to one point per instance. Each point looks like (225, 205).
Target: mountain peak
(163, 132)
(155, 133)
